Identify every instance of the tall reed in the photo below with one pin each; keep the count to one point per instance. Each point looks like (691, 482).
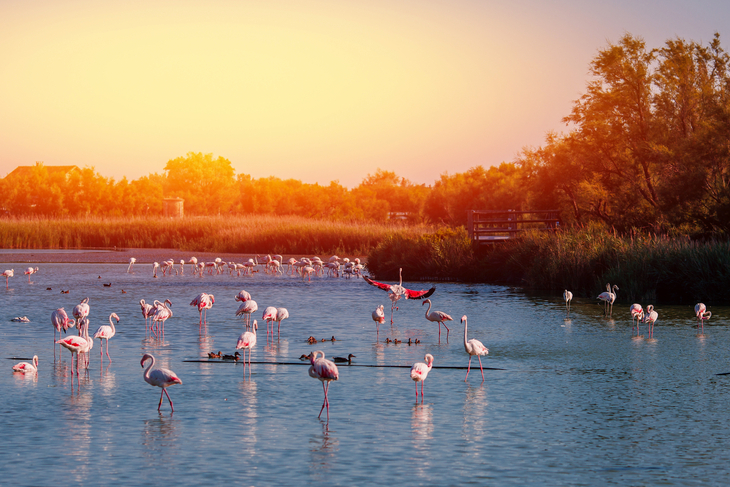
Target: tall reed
(249, 234)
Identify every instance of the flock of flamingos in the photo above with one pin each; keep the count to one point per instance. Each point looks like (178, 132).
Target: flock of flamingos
(322, 369)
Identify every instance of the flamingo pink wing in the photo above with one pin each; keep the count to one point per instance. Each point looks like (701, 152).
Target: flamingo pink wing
(384, 287)
(410, 294)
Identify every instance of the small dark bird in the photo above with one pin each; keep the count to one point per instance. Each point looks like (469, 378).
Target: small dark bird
(99, 277)
(108, 285)
(215, 355)
(311, 340)
(124, 292)
(65, 292)
(409, 342)
(231, 357)
(347, 360)
(388, 340)
(305, 357)
(333, 339)
(49, 289)
(417, 341)
(396, 341)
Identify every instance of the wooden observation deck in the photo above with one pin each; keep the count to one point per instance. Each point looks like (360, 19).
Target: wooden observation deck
(490, 226)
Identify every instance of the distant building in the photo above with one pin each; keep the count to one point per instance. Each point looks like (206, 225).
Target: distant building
(66, 171)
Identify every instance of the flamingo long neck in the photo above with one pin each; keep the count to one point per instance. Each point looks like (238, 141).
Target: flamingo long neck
(429, 308)
(149, 367)
(111, 323)
(465, 340)
(400, 274)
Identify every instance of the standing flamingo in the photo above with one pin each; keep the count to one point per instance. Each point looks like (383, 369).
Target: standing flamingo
(269, 317)
(105, 333)
(25, 367)
(155, 265)
(325, 371)
(397, 291)
(379, 317)
(608, 297)
(247, 341)
(247, 308)
(438, 316)
(473, 347)
(77, 344)
(8, 274)
(29, 271)
(61, 322)
(243, 296)
(162, 378)
(81, 311)
(651, 317)
(281, 314)
(568, 297)
(147, 312)
(420, 371)
(132, 260)
(637, 313)
(204, 302)
(161, 314)
(702, 314)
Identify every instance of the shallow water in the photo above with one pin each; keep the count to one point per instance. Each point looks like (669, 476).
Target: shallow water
(578, 402)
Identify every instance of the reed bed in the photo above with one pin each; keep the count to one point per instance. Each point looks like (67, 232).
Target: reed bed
(647, 268)
(236, 234)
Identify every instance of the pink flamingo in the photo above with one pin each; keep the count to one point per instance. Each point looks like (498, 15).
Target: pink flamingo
(637, 313)
(25, 367)
(325, 371)
(702, 314)
(147, 312)
(379, 317)
(60, 322)
(155, 265)
(77, 344)
(420, 371)
(132, 260)
(568, 297)
(608, 297)
(473, 347)
(162, 378)
(651, 317)
(243, 296)
(161, 314)
(29, 271)
(105, 333)
(269, 316)
(247, 308)
(8, 274)
(397, 291)
(438, 316)
(203, 301)
(81, 311)
(281, 314)
(247, 341)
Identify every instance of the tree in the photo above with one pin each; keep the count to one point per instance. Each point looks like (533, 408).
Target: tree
(206, 184)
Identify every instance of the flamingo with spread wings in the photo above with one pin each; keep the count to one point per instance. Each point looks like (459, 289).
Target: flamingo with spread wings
(397, 291)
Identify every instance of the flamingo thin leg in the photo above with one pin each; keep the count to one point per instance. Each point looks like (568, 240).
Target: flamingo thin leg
(480, 367)
(468, 369)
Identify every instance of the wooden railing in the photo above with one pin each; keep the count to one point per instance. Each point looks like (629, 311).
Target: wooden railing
(490, 226)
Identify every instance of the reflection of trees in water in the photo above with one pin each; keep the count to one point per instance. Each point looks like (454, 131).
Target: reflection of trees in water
(323, 453)
(248, 417)
(475, 425)
(159, 439)
(77, 423)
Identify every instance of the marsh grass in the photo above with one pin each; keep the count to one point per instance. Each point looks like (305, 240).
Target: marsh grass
(647, 268)
(251, 234)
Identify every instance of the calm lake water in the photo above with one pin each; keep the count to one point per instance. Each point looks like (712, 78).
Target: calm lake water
(578, 402)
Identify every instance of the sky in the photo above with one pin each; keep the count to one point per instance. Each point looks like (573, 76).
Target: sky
(314, 90)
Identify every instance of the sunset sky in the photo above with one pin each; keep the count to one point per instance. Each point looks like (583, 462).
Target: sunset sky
(313, 90)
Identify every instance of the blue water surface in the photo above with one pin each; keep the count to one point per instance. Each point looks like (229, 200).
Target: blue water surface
(577, 402)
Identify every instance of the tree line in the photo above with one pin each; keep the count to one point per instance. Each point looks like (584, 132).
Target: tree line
(646, 146)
